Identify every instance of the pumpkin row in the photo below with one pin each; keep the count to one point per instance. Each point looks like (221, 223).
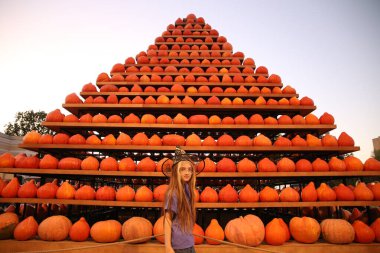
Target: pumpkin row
(284, 164)
(194, 66)
(141, 138)
(144, 59)
(252, 231)
(254, 119)
(226, 194)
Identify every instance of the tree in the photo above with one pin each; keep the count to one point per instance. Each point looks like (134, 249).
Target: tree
(26, 122)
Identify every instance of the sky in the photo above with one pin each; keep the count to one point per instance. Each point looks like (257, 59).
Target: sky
(327, 50)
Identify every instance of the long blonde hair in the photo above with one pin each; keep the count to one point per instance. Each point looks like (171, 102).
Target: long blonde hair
(185, 208)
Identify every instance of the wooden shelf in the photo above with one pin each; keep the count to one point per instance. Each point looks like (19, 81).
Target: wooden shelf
(278, 109)
(190, 36)
(197, 149)
(197, 205)
(144, 174)
(182, 94)
(59, 126)
(189, 43)
(99, 84)
(153, 246)
(190, 50)
(190, 29)
(197, 57)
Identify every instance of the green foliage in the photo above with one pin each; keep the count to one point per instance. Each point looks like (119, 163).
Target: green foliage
(26, 122)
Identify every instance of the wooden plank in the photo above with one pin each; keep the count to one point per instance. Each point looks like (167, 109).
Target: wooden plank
(278, 109)
(221, 58)
(189, 50)
(189, 36)
(197, 205)
(206, 149)
(98, 173)
(154, 247)
(203, 66)
(189, 43)
(59, 126)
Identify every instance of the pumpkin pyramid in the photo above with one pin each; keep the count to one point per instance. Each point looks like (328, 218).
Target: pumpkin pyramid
(191, 89)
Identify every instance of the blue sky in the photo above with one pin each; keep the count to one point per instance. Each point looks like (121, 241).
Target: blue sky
(327, 50)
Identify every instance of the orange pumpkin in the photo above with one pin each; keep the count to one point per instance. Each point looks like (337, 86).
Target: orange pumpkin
(137, 227)
(276, 232)
(159, 192)
(374, 187)
(65, 191)
(304, 165)
(286, 165)
(376, 228)
(344, 193)
(335, 164)
(106, 231)
(226, 165)
(123, 139)
(11, 189)
(140, 139)
(158, 229)
(225, 140)
(298, 141)
(214, 230)
(325, 193)
(313, 141)
(193, 140)
(246, 165)
(289, 194)
(363, 193)
(8, 223)
(320, 165)
(48, 190)
(198, 230)
(27, 190)
(309, 193)
(144, 194)
(305, 229)
(109, 164)
(105, 193)
(327, 119)
(85, 192)
(109, 140)
(208, 165)
(31, 137)
(248, 194)
(228, 194)
(337, 231)
(209, 195)
(125, 193)
(127, 164)
(268, 194)
(329, 141)
(363, 232)
(262, 140)
(353, 163)
(69, 163)
(89, 163)
(243, 140)
(49, 162)
(26, 230)
(173, 140)
(54, 228)
(55, 116)
(209, 141)
(345, 140)
(7, 160)
(80, 230)
(30, 162)
(266, 165)
(146, 164)
(371, 164)
(248, 230)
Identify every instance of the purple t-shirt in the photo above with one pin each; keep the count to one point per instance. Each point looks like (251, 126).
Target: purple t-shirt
(180, 239)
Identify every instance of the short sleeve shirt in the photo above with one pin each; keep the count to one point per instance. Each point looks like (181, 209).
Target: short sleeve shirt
(180, 239)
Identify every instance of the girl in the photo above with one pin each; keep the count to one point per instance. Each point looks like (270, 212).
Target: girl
(179, 208)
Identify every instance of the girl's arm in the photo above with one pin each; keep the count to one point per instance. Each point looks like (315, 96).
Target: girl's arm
(168, 233)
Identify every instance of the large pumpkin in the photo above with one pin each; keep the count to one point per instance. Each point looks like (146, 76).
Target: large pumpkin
(337, 231)
(106, 231)
(248, 230)
(214, 230)
(80, 230)
(305, 229)
(137, 227)
(54, 228)
(25, 230)
(276, 232)
(8, 223)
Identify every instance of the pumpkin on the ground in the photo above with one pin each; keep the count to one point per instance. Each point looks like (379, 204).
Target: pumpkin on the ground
(106, 231)
(137, 227)
(276, 232)
(305, 229)
(54, 228)
(80, 230)
(337, 231)
(248, 230)
(214, 230)
(26, 229)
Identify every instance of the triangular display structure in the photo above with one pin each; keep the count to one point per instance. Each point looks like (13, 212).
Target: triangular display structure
(191, 89)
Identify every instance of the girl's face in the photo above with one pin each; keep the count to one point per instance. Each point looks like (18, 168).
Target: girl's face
(185, 170)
